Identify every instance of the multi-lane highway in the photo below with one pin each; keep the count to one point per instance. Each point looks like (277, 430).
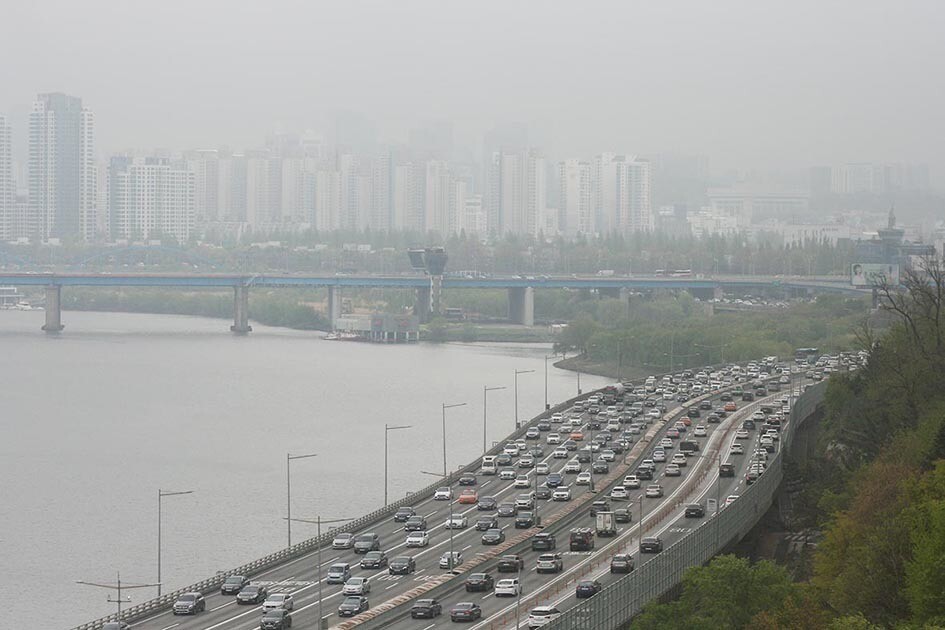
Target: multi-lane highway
(300, 577)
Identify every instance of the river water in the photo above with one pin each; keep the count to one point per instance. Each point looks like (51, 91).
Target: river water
(96, 420)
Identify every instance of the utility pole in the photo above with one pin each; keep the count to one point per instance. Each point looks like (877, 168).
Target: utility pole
(117, 586)
(161, 495)
(485, 392)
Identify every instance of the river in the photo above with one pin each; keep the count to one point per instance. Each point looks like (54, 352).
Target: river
(96, 420)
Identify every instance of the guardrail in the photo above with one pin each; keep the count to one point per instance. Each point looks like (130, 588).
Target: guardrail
(613, 607)
(159, 604)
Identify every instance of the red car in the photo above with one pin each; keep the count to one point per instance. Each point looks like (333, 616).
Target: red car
(730, 406)
(469, 496)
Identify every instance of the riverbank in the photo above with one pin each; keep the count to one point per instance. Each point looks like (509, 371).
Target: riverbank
(603, 368)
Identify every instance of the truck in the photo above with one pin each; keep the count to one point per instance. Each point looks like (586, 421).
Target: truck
(616, 390)
(582, 539)
(606, 526)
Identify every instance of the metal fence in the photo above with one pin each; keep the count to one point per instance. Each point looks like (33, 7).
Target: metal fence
(613, 607)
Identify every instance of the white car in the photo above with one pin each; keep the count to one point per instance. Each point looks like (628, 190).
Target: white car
(699, 431)
(631, 481)
(443, 494)
(618, 492)
(654, 491)
(741, 434)
(672, 470)
(737, 449)
(282, 600)
(553, 438)
(659, 455)
(560, 453)
(561, 493)
(542, 468)
(418, 539)
(666, 443)
(608, 455)
(522, 481)
(573, 466)
(457, 521)
(457, 559)
(507, 475)
(773, 434)
(542, 616)
(511, 449)
(584, 479)
(355, 586)
(508, 587)
(679, 459)
(730, 499)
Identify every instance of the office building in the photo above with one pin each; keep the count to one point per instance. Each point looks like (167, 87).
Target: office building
(7, 184)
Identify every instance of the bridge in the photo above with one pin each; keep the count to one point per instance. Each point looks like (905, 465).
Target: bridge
(520, 288)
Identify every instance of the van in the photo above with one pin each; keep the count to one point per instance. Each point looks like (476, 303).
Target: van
(488, 465)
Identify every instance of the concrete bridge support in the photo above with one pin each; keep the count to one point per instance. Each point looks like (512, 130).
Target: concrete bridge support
(241, 310)
(707, 294)
(53, 309)
(522, 305)
(423, 307)
(334, 306)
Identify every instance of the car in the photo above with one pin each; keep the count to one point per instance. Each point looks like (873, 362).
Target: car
(570, 445)
(526, 461)
(484, 523)
(554, 480)
(508, 587)
(693, 412)
(419, 538)
(752, 475)
(522, 481)
(673, 470)
(679, 459)
(730, 499)
(695, 510)
(622, 515)
(503, 459)
(549, 563)
(659, 455)
(699, 431)
(465, 611)
(443, 494)
(561, 493)
(493, 537)
(644, 473)
(583, 479)
(553, 438)
(190, 604)
(275, 619)
(631, 481)
(507, 475)
(356, 586)
(726, 469)
(456, 521)
(364, 543)
(532, 433)
(467, 479)
(599, 506)
(544, 425)
(374, 560)
(584, 455)
(730, 406)
(233, 584)
(506, 510)
(451, 560)
(426, 609)
(511, 563)
(741, 434)
(511, 450)
(576, 436)
(252, 594)
(666, 443)
(600, 467)
(401, 565)
(524, 520)
(345, 540)
(352, 606)
(487, 504)
(651, 544)
(608, 455)
(672, 434)
(621, 563)
(541, 616)
(415, 524)
(573, 466)
(338, 573)
(587, 588)
(559, 453)
(544, 541)
(478, 582)
(619, 492)
(654, 491)
(468, 496)
(542, 468)
(736, 449)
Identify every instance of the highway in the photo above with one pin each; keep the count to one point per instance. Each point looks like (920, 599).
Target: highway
(300, 576)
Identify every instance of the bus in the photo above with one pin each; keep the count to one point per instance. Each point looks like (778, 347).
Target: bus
(681, 273)
(805, 355)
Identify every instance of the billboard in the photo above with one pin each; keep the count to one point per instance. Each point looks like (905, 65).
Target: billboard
(872, 274)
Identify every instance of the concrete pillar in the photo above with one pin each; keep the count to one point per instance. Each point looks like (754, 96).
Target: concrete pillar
(436, 295)
(53, 309)
(241, 310)
(334, 306)
(522, 305)
(423, 306)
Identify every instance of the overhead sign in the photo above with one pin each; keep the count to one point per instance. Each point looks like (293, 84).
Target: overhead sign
(873, 274)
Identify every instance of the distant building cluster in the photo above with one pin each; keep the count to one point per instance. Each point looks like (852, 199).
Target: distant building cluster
(869, 178)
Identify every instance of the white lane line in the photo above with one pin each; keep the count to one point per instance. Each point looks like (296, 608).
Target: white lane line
(232, 601)
(432, 625)
(466, 547)
(171, 626)
(252, 609)
(392, 586)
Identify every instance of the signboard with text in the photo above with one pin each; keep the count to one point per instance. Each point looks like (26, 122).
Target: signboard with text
(873, 274)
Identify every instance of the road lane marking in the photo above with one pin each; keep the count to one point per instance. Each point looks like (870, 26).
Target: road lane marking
(171, 626)
(233, 601)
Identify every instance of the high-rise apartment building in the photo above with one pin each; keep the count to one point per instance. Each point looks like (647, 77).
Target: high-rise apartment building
(574, 197)
(62, 169)
(7, 185)
(150, 198)
(436, 198)
(621, 194)
(409, 196)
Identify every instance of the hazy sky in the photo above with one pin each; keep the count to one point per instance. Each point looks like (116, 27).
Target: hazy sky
(752, 83)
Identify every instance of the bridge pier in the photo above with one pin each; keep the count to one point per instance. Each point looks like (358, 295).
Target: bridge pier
(423, 307)
(241, 310)
(334, 306)
(53, 309)
(522, 305)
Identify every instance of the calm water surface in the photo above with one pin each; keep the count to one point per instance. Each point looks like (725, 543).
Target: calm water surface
(96, 420)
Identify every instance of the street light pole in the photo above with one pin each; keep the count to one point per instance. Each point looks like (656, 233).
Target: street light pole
(161, 495)
(445, 407)
(288, 491)
(517, 372)
(485, 391)
(318, 575)
(388, 429)
(117, 586)
(547, 406)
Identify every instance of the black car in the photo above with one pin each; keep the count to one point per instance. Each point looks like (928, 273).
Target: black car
(233, 584)
(404, 513)
(584, 455)
(353, 606)
(465, 611)
(374, 560)
(621, 563)
(544, 425)
(536, 451)
(275, 619)
(544, 541)
(426, 609)
(486, 503)
(622, 515)
(600, 467)
(726, 469)
(415, 523)
(479, 582)
(503, 459)
(507, 509)
(401, 565)
(512, 563)
(485, 523)
(190, 604)
(543, 492)
(599, 506)
(587, 588)
(726, 397)
(467, 479)
(554, 480)
(252, 594)
(493, 537)
(524, 520)
(651, 545)
(695, 510)
(748, 396)
(693, 413)
(749, 424)
(713, 418)
(644, 473)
